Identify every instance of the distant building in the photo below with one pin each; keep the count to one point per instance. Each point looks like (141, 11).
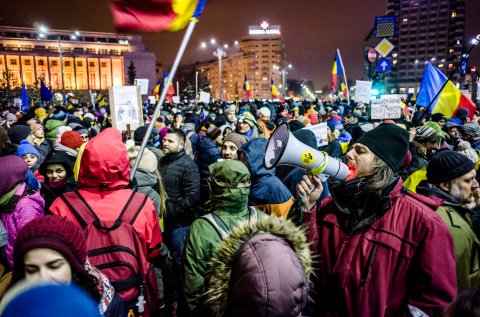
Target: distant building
(427, 31)
(91, 60)
(260, 55)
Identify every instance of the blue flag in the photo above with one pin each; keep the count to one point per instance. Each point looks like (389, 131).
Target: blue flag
(45, 93)
(24, 98)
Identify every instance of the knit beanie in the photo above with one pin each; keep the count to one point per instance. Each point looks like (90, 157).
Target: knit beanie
(427, 134)
(265, 112)
(462, 113)
(59, 115)
(34, 299)
(11, 117)
(213, 132)
(50, 232)
(12, 172)
(471, 129)
(36, 126)
(139, 134)
(447, 165)
(465, 148)
(236, 138)
(438, 116)
(438, 130)
(248, 118)
(18, 133)
(331, 125)
(389, 142)
(41, 113)
(26, 148)
(71, 139)
(280, 109)
(148, 161)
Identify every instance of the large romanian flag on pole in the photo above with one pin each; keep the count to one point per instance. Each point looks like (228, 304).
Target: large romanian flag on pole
(449, 99)
(337, 72)
(155, 15)
(246, 87)
(274, 90)
(171, 90)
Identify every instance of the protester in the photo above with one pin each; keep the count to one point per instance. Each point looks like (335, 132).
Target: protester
(471, 133)
(231, 143)
(30, 154)
(247, 126)
(467, 304)
(38, 139)
(383, 251)
(265, 121)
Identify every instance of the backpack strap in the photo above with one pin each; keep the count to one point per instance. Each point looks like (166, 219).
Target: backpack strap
(79, 208)
(217, 224)
(132, 208)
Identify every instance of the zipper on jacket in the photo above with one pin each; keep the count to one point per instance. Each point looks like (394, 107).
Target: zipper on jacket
(366, 272)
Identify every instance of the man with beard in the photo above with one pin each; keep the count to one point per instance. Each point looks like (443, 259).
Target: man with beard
(451, 178)
(383, 252)
(231, 143)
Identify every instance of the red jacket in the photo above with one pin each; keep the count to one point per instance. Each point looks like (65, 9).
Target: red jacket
(103, 178)
(403, 258)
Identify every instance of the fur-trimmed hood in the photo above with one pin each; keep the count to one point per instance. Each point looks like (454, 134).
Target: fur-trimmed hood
(261, 269)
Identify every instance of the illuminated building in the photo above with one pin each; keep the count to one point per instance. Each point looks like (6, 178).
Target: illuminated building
(259, 55)
(91, 60)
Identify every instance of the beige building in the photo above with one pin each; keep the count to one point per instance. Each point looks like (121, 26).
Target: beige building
(91, 60)
(260, 55)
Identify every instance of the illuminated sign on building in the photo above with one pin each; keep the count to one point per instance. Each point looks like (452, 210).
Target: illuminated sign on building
(264, 29)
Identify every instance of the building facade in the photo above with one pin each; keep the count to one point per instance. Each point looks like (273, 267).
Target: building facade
(260, 56)
(427, 31)
(91, 60)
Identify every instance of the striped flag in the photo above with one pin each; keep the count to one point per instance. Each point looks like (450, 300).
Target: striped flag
(337, 72)
(274, 90)
(246, 87)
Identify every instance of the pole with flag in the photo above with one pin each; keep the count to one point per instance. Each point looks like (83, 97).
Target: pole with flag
(150, 15)
(170, 89)
(337, 71)
(246, 87)
(45, 93)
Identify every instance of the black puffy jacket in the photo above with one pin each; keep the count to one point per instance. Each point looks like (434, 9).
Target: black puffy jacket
(182, 183)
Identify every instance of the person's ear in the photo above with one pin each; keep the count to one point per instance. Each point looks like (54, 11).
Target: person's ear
(445, 186)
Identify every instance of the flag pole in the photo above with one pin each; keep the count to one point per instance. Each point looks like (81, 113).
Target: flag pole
(178, 58)
(344, 75)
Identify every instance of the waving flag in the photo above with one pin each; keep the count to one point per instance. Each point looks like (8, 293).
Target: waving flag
(171, 90)
(155, 15)
(156, 90)
(274, 90)
(246, 87)
(45, 93)
(450, 98)
(24, 98)
(100, 100)
(338, 71)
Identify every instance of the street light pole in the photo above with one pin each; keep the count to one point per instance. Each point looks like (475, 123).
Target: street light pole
(61, 64)
(220, 53)
(196, 86)
(283, 82)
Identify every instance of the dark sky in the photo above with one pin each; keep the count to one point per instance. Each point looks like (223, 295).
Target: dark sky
(312, 29)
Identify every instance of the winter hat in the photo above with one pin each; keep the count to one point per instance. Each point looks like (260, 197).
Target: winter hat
(235, 138)
(12, 172)
(50, 232)
(35, 299)
(18, 133)
(78, 128)
(438, 116)
(389, 142)
(41, 113)
(471, 129)
(71, 139)
(62, 129)
(148, 161)
(248, 118)
(465, 148)
(213, 132)
(59, 115)
(11, 117)
(427, 134)
(229, 174)
(89, 115)
(331, 125)
(280, 109)
(447, 165)
(265, 112)
(139, 134)
(295, 125)
(57, 157)
(313, 118)
(36, 126)
(462, 113)
(26, 148)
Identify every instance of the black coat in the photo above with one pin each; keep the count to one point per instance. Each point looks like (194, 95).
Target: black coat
(182, 183)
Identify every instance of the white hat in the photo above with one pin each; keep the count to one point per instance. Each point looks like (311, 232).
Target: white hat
(265, 112)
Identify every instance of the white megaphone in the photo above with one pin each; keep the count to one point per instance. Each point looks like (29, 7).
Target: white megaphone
(284, 148)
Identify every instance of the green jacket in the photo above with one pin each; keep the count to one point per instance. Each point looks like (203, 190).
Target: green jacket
(465, 243)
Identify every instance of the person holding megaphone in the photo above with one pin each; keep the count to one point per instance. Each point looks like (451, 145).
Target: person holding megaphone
(382, 251)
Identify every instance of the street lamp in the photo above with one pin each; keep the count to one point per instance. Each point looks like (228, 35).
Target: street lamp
(219, 52)
(284, 72)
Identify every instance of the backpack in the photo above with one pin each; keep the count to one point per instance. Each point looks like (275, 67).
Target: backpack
(115, 249)
(220, 227)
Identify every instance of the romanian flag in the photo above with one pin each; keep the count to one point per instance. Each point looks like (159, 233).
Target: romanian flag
(274, 90)
(449, 100)
(156, 90)
(171, 90)
(337, 72)
(155, 15)
(246, 87)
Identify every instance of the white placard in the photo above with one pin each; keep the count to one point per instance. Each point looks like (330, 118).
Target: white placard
(125, 107)
(176, 99)
(205, 97)
(321, 133)
(387, 107)
(143, 84)
(152, 100)
(363, 90)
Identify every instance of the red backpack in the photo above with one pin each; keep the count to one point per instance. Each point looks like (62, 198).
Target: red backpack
(114, 248)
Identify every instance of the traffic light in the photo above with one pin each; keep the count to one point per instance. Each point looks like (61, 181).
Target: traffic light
(377, 87)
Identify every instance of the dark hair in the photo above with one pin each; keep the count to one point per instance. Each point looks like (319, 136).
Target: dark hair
(467, 304)
(87, 282)
(3, 139)
(179, 133)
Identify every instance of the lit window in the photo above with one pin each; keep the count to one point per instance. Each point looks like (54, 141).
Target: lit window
(450, 65)
(454, 14)
(405, 20)
(441, 65)
(394, 62)
(54, 63)
(451, 51)
(13, 62)
(27, 62)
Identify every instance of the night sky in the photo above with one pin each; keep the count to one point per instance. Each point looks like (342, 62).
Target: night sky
(312, 29)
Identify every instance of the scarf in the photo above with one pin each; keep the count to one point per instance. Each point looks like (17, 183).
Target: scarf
(6, 198)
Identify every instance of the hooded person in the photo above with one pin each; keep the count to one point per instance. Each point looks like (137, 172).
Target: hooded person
(52, 124)
(267, 193)
(138, 137)
(18, 203)
(30, 154)
(16, 134)
(229, 185)
(379, 243)
(57, 170)
(471, 133)
(262, 269)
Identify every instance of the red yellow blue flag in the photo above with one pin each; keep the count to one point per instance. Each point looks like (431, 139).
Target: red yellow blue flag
(246, 87)
(274, 90)
(337, 72)
(171, 90)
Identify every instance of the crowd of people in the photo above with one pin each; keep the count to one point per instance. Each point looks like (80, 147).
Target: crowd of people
(203, 228)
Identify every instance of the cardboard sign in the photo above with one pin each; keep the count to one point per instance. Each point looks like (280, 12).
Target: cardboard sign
(321, 133)
(176, 99)
(387, 107)
(143, 84)
(363, 91)
(205, 97)
(125, 107)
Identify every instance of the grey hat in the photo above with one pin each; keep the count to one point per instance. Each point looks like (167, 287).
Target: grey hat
(11, 117)
(471, 129)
